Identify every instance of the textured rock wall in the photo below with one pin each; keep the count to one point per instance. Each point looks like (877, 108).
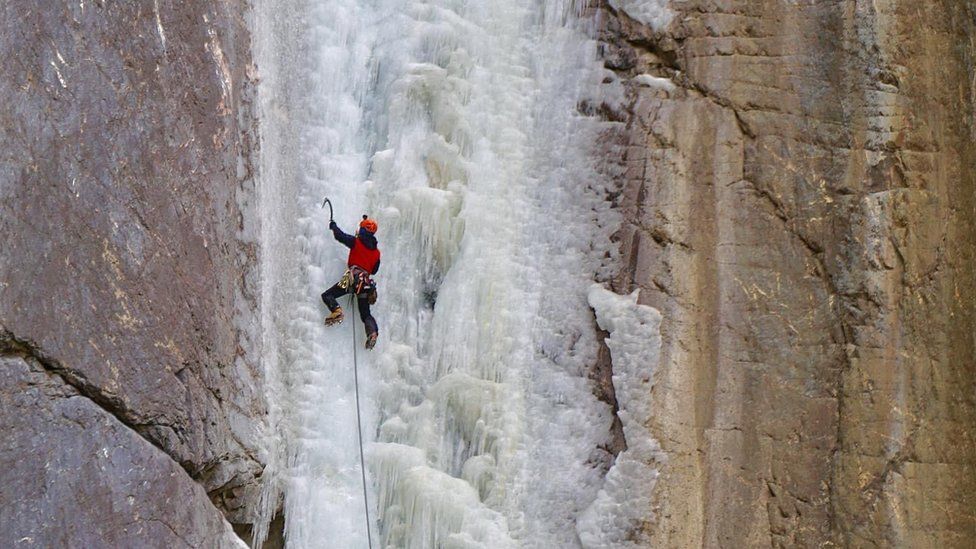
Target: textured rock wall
(75, 476)
(800, 208)
(125, 269)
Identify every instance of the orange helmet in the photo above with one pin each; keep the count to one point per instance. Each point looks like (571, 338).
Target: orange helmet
(368, 224)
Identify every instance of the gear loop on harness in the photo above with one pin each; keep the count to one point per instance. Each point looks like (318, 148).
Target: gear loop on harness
(359, 282)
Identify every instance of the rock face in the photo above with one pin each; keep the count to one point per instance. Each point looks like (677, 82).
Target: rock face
(797, 179)
(800, 206)
(110, 490)
(125, 264)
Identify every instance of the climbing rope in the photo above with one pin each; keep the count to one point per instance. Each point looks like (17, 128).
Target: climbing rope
(359, 421)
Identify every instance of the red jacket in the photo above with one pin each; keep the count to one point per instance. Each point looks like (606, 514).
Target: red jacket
(363, 250)
(363, 257)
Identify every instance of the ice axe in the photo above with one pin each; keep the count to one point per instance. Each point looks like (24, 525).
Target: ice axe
(329, 202)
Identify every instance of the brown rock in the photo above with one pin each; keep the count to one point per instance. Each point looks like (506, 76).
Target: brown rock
(801, 211)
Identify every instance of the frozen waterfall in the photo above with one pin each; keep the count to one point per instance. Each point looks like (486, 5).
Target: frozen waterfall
(455, 123)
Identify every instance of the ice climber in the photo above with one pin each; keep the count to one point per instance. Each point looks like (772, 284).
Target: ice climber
(364, 261)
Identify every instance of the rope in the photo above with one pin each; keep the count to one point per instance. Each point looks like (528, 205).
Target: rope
(359, 420)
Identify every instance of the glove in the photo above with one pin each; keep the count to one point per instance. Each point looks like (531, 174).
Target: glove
(332, 225)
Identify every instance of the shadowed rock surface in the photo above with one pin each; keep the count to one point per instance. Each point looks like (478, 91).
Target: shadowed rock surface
(127, 136)
(800, 208)
(64, 487)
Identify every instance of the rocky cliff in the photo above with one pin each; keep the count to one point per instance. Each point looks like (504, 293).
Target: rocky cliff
(797, 179)
(128, 394)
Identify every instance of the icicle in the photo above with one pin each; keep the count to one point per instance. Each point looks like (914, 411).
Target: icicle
(462, 119)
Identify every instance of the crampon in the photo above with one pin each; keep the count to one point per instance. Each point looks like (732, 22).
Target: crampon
(335, 318)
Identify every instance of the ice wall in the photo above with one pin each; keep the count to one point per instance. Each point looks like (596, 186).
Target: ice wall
(314, 61)
(456, 125)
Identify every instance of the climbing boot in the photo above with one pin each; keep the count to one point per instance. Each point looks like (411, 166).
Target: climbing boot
(335, 318)
(371, 340)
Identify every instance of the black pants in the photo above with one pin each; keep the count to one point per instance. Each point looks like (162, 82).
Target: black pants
(332, 294)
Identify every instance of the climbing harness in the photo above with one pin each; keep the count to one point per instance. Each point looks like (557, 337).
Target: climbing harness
(359, 421)
(358, 281)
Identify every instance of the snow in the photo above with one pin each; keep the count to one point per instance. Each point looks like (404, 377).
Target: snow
(624, 503)
(456, 125)
(655, 82)
(655, 13)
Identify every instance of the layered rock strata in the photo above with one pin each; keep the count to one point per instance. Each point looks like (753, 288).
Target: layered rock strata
(797, 179)
(125, 270)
